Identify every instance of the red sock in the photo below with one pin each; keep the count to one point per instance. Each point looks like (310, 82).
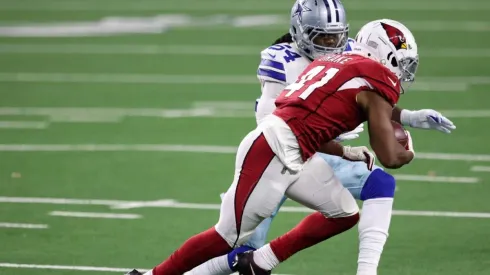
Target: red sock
(195, 251)
(311, 230)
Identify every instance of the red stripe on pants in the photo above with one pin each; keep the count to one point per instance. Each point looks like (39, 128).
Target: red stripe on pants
(256, 161)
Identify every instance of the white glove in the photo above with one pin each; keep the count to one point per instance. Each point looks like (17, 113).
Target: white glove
(360, 153)
(427, 119)
(352, 134)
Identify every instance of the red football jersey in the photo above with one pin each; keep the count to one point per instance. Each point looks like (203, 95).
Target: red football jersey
(321, 104)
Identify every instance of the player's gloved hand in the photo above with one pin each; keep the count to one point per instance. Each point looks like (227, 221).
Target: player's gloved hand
(427, 119)
(360, 153)
(352, 134)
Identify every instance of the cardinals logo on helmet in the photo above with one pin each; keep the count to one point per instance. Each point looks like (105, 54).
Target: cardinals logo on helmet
(396, 36)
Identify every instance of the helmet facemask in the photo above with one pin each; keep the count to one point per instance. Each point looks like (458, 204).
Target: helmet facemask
(407, 67)
(316, 42)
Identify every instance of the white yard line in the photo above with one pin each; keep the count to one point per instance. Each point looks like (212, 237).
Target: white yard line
(158, 24)
(209, 50)
(109, 115)
(61, 201)
(121, 270)
(453, 157)
(466, 113)
(170, 203)
(23, 124)
(231, 109)
(94, 215)
(126, 78)
(190, 149)
(68, 267)
(407, 213)
(23, 225)
(248, 6)
(117, 148)
(480, 169)
(212, 50)
(424, 178)
(441, 214)
(432, 84)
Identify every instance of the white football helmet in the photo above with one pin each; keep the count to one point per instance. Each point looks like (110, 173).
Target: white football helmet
(393, 45)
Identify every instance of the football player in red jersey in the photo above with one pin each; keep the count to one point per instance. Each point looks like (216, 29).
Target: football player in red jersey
(334, 95)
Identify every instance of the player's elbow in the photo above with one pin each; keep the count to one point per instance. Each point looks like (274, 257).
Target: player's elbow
(391, 163)
(395, 161)
(388, 159)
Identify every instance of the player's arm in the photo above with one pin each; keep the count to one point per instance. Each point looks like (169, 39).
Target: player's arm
(381, 135)
(396, 115)
(359, 153)
(266, 104)
(272, 73)
(332, 148)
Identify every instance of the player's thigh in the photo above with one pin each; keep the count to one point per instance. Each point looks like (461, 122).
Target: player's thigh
(319, 189)
(352, 174)
(258, 187)
(259, 236)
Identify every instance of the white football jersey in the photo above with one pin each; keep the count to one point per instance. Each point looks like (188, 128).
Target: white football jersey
(283, 63)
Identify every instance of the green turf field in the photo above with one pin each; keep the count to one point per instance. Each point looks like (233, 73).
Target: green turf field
(132, 109)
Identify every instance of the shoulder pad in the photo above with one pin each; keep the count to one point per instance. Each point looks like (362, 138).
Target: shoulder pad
(381, 78)
(281, 63)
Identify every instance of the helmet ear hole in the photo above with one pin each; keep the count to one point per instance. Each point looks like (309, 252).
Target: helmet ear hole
(392, 59)
(394, 62)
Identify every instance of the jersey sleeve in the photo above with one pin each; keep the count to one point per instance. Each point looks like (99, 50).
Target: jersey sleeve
(281, 63)
(381, 79)
(271, 68)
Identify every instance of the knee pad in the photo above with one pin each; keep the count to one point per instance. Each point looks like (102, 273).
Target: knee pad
(379, 184)
(232, 254)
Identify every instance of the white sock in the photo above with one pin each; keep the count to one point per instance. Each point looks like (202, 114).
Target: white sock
(373, 232)
(265, 258)
(216, 266)
(149, 272)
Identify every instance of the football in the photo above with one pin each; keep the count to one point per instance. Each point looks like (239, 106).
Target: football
(400, 133)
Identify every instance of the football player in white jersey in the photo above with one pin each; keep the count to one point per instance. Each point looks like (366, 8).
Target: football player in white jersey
(319, 28)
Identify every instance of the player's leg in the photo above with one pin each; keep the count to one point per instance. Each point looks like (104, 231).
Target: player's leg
(257, 189)
(353, 176)
(376, 189)
(223, 265)
(319, 189)
(378, 194)
(259, 237)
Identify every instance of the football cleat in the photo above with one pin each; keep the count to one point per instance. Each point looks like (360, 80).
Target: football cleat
(244, 264)
(134, 272)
